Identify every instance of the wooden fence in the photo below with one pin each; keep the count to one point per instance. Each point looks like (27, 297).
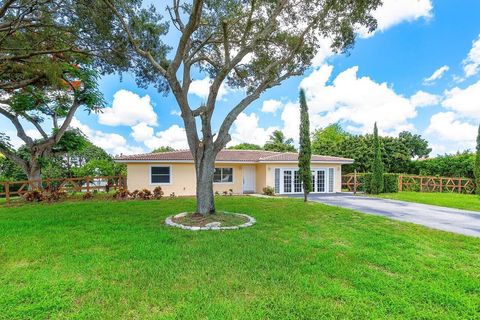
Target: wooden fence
(354, 182)
(8, 189)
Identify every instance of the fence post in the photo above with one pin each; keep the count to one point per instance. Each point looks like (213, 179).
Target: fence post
(400, 183)
(355, 182)
(441, 185)
(7, 193)
(88, 184)
(460, 185)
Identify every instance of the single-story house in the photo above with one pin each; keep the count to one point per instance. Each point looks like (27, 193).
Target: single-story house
(243, 171)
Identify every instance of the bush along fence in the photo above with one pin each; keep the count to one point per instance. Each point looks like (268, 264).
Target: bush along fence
(57, 187)
(401, 182)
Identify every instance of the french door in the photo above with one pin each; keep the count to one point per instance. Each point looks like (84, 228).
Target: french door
(290, 181)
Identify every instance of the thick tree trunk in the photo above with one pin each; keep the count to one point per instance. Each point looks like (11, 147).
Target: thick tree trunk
(205, 167)
(34, 174)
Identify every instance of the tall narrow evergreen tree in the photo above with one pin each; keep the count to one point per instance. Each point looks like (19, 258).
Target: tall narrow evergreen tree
(476, 169)
(305, 150)
(376, 183)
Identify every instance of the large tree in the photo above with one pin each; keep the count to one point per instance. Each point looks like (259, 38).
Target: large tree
(50, 52)
(254, 45)
(34, 106)
(476, 169)
(305, 149)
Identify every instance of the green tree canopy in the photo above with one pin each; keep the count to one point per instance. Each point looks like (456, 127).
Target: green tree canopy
(163, 149)
(278, 142)
(51, 53)
(327, 141)
(246, 146)
(398, 153)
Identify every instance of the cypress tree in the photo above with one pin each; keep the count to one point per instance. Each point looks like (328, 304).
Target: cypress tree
(376, 183)
(305, 150)
(476, 169)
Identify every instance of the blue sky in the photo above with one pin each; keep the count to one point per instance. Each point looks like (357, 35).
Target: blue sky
(385, 78)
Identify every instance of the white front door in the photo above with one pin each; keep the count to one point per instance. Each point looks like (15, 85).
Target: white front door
(248, 179)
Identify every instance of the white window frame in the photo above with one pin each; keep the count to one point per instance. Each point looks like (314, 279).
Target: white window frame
(221, 174)
(160, 183)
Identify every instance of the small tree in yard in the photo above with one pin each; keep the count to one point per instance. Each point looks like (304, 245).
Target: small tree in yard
(249, 45)
(305, 150)
(376, 183)
(476, 169)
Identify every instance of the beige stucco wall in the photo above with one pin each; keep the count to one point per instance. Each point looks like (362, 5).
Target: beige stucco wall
(260, 178)
(182, 180)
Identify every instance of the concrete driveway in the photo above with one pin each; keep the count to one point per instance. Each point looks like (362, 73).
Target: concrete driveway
(442, 218)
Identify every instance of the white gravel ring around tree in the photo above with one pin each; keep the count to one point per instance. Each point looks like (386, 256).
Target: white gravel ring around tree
(169, 222)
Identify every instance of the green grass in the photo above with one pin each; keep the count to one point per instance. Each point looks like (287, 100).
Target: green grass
(116, 260)
(451, 200)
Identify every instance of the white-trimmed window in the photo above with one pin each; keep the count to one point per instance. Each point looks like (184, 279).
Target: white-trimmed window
(223, 175)
(160, 174)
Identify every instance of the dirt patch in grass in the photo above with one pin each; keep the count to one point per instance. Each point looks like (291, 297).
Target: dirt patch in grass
(224, 218)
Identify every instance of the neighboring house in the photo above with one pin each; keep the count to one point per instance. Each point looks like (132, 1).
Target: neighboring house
(243, 171)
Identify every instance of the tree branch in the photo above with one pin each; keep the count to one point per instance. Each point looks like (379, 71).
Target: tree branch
(18, 126)
(13, 157)
(133, 41)
(187, 32)
(223, 135)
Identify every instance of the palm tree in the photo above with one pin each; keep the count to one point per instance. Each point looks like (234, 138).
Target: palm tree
(278, 142)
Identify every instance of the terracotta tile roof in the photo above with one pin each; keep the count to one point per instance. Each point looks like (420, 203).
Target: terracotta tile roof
(229, 155)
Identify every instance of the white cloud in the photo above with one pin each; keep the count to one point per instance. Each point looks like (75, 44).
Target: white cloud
(271, 106)
(360, 101)
(201, 88)
(465, 102)
(246, 129)
(111, 142)
(394, 12)
(128, 109)
(142, 132)
(437, 74)
(424, 99)
(174, 137)
(446, 126)
(323, 53)
(471, 65)
(175, 113)
(291, 120)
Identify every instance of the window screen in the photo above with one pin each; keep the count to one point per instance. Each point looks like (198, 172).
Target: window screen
(277, 180)
(331, 179)
(160, 175)
(223, 175)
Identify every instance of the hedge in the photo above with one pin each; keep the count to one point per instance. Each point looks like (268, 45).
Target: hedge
(390, 181)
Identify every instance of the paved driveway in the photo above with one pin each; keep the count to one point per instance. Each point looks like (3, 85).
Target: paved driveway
(447, 219)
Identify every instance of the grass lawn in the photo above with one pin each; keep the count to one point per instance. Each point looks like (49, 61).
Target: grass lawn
(452, 200)
(116, 260)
